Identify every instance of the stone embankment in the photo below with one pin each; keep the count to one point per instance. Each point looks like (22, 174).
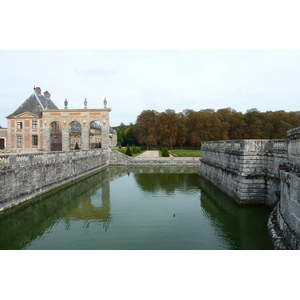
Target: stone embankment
(260, 171)
(247, 170)
(25, 176)
(284, 223)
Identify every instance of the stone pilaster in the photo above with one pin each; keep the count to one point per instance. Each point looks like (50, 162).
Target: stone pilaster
(85, 138)
(105, 132)
(8, 141)
(65, 139)
(46, 139)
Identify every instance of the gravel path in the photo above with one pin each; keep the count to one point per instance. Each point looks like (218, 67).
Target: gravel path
(149, 153)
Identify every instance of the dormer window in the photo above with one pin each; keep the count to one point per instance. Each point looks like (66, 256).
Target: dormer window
(19, 125)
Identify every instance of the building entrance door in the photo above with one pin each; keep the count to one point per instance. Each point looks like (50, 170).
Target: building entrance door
(2, 144)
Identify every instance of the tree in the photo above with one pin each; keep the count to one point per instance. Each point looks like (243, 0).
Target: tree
(129, 137)
(181, 132)
(254, 124)
(168, 127)
(120, 139)
(146, 128)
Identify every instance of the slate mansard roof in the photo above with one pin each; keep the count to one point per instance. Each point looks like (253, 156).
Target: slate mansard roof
(34, 104)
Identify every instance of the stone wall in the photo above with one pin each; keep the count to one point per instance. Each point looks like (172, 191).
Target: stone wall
(25, 176)
(247, 170)
(118, 158)
(261, 171)
(284, 222)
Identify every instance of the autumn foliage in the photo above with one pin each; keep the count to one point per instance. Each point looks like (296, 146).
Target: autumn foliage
(193, 127)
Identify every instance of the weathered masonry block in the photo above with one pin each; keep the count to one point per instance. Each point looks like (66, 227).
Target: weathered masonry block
(247, 170)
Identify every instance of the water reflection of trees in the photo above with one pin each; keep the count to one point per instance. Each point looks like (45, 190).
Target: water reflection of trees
(167, 182)
(26, 222)
(241, 226)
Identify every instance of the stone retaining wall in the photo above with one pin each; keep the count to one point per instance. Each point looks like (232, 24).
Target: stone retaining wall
(260, 171)
(284, 222)
(25, 176)
(247, 170)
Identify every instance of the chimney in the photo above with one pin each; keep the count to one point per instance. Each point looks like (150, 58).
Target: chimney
(47, 95)
(38, 90)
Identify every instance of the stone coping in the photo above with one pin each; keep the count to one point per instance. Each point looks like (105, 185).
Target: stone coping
(294, 131)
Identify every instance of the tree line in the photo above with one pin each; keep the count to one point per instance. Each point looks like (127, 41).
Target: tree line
(190, 128)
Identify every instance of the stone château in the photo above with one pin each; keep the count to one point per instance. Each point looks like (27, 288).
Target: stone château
(39, 125)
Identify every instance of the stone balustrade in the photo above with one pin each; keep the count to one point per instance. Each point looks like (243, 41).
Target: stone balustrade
(257, 146)
(13, 161)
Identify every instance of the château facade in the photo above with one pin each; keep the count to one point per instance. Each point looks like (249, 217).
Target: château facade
(39, 125)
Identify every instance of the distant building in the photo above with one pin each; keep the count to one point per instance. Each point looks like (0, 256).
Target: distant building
(39, 125)
(3, 138)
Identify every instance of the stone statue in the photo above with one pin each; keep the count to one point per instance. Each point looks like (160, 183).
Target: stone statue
(85, 103)
(66, 104)
(105, 102)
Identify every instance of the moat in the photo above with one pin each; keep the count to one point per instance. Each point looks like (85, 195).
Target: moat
(136, 208)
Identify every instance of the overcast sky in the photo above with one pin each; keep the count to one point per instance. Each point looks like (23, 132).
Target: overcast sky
(255, 61)
(133, 81)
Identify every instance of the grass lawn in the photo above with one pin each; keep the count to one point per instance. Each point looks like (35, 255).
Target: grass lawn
(123, 150)
(185, 153)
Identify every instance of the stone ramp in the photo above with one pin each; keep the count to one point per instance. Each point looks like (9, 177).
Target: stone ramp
(148, 154)
(150, 157)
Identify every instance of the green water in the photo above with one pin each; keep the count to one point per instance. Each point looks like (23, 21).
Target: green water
(136, 208)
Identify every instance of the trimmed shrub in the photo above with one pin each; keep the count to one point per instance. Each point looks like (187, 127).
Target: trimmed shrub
(128, 151)
(165, 152)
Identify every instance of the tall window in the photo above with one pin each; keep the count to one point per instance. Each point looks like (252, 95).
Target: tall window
(35, 140)
(34, 124)
(19, 141)
(19, 125)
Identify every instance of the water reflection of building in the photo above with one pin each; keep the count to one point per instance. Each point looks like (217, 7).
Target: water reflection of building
(93, 208)
(26, 222)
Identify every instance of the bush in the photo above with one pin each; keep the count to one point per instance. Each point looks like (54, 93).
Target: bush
(134, 150)
(165, 152)
(128, 151)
